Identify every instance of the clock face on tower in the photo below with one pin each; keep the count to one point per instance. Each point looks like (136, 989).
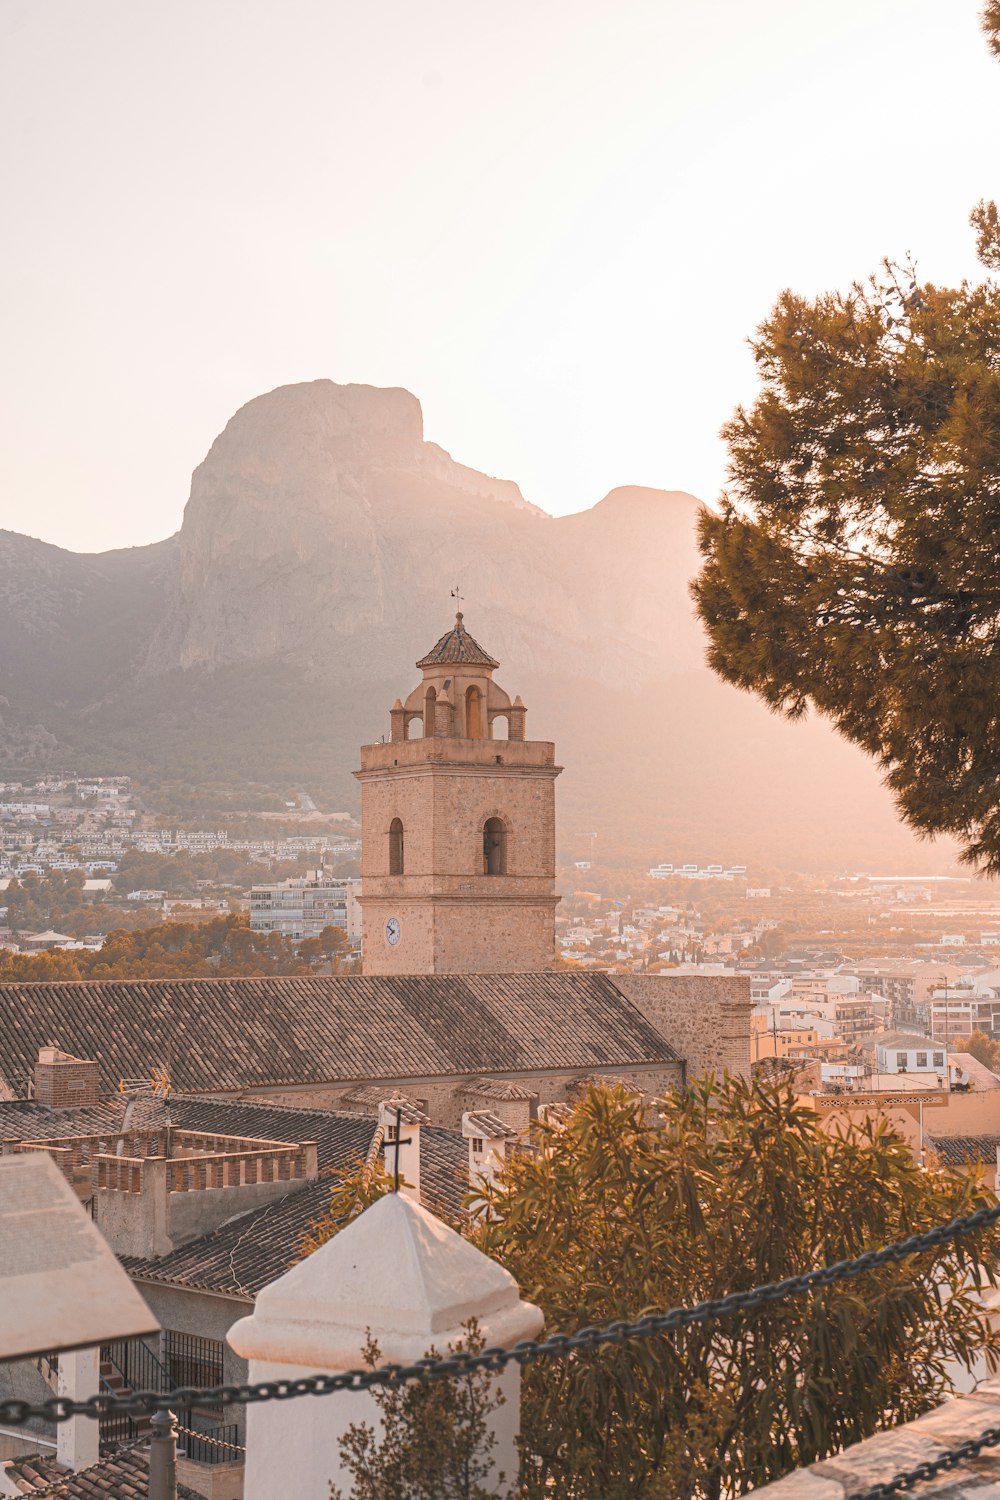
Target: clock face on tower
(393, 931)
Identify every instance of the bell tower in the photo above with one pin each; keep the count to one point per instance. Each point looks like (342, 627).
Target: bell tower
(458, 826)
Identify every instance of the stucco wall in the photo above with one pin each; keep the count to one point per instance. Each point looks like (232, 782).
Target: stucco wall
(154, 1222)
(207, 1316)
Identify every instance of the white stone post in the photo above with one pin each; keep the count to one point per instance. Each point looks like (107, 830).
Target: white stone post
(402, 1275)
(77, 1441)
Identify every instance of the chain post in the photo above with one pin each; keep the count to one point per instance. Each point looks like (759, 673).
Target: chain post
(163, 1457)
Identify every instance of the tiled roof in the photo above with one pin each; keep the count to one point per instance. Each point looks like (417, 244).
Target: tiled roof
(491, 1126)
(962, 1150)
(457, 647)
(606, 1081)
(408, 1112)
(491, 1088)
(236, 1034)
(247, 1253)
(337, 1135)
(444, 1171)
(25, 1120)
(122, 1476)
(909, 1040)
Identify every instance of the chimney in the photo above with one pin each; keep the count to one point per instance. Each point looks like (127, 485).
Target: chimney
(488, 1137)
(65, 1082)
(401, 1120)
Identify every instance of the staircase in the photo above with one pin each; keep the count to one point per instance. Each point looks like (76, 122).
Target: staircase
(127, 1366)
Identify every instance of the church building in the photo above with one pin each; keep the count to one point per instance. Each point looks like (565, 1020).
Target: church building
(458, 826)
(461, 1005)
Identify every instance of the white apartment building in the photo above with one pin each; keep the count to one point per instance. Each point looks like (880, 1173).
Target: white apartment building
(302, 907)
(904, 1052)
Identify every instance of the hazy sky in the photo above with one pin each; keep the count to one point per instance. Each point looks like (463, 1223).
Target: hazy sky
(555, 221)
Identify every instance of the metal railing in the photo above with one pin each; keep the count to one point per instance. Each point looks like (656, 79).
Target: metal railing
(217, 1445)
(137, 1365)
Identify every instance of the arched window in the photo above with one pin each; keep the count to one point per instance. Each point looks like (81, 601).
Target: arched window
(430, 713)
(495, 847)
(396, 847)
(473, 714)
(414, 728)
(501, 727)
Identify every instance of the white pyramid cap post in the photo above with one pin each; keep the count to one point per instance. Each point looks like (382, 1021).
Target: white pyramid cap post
(401, 1276)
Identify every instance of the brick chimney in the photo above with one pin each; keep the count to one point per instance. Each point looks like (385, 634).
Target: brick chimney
(63, 1081)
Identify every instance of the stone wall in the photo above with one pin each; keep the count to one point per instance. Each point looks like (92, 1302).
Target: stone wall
(879, 1458)
(444, 1099)
(705, 1018)
(453, 918)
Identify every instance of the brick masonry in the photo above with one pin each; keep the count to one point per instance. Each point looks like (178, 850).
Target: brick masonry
(64, 1082)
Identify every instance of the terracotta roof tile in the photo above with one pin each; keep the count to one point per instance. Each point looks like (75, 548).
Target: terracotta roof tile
(336, 1134)
(247, 1253)
(122, 1476)
(963, 1150)
(239, 1034)
(456, 648)
(485, 1124)
(491, 1088)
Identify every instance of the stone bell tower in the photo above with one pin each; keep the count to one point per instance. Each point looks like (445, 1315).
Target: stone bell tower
(458, 827)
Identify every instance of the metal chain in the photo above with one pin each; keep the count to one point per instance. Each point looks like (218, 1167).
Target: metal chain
(205, 1438)
(951, 1459)
(556, 1346)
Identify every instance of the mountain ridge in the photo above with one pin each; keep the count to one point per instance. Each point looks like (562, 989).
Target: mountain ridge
(314, 564)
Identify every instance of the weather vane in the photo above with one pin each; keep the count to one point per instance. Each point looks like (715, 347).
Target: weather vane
(456, 594)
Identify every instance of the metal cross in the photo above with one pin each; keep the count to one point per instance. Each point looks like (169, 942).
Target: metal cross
(456, 594)
(397, 1143)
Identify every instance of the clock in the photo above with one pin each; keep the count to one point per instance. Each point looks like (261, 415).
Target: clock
(393, 931)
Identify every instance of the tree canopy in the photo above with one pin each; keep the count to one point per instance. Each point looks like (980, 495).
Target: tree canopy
(225, 947)
(854, 565)
(614, 1215)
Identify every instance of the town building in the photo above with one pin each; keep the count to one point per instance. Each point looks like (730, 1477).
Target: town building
(303, 907)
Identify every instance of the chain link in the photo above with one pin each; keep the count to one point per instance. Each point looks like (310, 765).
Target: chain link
(556, 1346)
(204, 1437)
(931, 1468)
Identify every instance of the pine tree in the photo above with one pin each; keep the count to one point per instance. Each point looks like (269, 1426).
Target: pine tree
(854, 566)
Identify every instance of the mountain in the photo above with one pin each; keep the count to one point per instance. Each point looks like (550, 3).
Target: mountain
(318, 550)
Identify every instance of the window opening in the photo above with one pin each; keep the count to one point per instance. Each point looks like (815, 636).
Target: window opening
(396, 847)
(473, 714)
(495, 847)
